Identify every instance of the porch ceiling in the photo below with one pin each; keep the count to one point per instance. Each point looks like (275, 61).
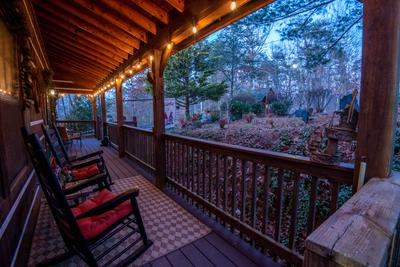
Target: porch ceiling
(89, 42)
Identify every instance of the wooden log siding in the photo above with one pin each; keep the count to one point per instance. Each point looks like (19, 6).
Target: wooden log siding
(139, 145)
(112, 131)
(254, 192)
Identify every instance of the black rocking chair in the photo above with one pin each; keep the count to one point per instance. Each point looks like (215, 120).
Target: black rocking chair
(89, 166)
(91, 223)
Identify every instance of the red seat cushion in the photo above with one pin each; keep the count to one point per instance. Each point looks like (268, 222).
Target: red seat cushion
(95, 225)
(86, 172)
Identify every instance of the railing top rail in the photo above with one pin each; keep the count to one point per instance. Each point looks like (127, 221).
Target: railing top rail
(75, 121)
(342, 173)
(112, 124)
(146, 131)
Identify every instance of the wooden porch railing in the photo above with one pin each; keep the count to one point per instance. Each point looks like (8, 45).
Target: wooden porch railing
(270, 199)
(139, 145)
(112, 134)
(87, 127)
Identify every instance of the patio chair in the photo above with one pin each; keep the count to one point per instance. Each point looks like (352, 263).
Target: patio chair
(88, 166)
(68, 136)
(93, 222)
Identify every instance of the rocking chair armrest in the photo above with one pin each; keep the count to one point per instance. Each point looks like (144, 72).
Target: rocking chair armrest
(90, 155)
(95, 180)
(112, 203)
(85, 163)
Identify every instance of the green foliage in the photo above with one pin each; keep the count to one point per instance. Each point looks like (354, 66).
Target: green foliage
(214, 116)
(281, 107)
(243, 104)
(188, 77)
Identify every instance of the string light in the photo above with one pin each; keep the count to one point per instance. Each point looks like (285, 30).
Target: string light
(233, 5)
(151, 58)
(52, 92)
(122, 76)
(194, 29)
(130, 71)
(138, 65)
(170, 44)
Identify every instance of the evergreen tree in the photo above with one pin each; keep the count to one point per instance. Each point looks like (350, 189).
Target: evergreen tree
(188, 77)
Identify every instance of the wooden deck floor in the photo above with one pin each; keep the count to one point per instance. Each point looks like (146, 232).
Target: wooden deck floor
(211, 250)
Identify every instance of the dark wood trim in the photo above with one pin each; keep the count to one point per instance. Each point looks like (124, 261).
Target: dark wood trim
(120, 118)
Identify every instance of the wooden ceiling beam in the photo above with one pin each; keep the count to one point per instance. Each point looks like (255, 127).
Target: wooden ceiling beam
(177, 4)
(104, 12)
(87, 51)
(78, 16)
(60, 22)
(74, 91)
(153, 9)
(79, 54)
(80, 60)
(133, 15)
(82, 79)
(88, 80)
(110, 50)
(62, 62)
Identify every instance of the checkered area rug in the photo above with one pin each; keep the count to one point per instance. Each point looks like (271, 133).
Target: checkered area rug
(167, 224)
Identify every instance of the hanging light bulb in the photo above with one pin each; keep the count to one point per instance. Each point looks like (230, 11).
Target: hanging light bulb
(170, 44)
(194, 29)
(122, 76)
(151, 58)
(130, 71)
(138, 66)
(52, 92)
(233, 5)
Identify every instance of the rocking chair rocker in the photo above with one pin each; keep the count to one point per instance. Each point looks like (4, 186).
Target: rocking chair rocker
(89, 224)
(89, 166)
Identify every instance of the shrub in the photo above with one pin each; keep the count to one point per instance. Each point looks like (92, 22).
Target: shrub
(243, 104)
(281, 107)
(249, 117)
(183, 123)
(214, 116)
(195, 118)
(222, 122)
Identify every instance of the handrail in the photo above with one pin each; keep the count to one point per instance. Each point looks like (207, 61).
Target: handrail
(342, 173)
(149, 132)
(112, 124)
(75, 121)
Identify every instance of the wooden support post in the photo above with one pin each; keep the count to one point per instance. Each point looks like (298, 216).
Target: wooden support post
(94, 117)
(379, 87)
(103, 114)
(120, 118)
(156, 78)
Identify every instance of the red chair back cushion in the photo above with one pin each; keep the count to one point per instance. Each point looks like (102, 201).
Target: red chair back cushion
(95, 225)
(86, 172)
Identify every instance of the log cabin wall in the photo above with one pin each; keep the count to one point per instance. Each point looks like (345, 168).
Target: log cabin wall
(19, 191)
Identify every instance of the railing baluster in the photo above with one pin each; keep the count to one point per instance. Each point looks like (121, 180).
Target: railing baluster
(187, 167)
(225, 182)
(198, 170)
(278, 214)
(267, 181)
(313, 205)
(217, 173)
(204, 174)
(192, 164)
(234, 171)
(210, 180)
(254, 196)
(293, 217)
(243, 208)
(334, 196)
